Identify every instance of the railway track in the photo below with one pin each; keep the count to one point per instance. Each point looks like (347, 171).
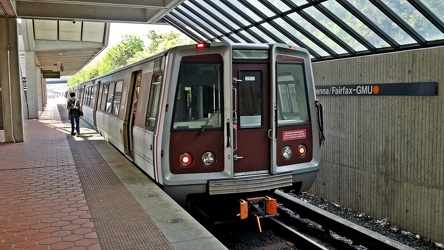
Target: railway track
(299, 225)
(329, 228)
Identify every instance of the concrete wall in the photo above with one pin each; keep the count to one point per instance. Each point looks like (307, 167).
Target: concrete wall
(384, 155)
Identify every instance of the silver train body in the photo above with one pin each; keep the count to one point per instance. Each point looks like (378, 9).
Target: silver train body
(213, 119)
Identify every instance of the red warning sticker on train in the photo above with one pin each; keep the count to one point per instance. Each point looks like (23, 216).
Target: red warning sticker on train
(292, 135)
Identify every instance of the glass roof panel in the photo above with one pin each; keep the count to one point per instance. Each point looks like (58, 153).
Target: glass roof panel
(233, 14)
(224, 38)
(436, 6)
(209, 8)
(262, 34)
(280, 5)
(262, 8)
(249, 36)
(301, 37)
(245, 10)
(240, 39)
(355, 24)
(299, 2)
(318, 34)
(383, 22)
(195, 27)
(327, 28)
(277, 33)
(199, 22)
(186, 27)
(211, 21)
(415, 19)
(335, 29)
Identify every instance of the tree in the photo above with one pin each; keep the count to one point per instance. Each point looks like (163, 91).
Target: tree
(131, 49)
(120, 54)
(163, 41)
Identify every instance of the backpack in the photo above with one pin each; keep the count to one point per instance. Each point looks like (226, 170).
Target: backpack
(74, 107)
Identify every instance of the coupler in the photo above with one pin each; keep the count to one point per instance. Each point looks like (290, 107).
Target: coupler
(258, 207)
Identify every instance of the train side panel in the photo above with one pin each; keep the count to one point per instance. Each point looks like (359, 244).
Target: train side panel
(297, 120)
(111, 110)
(88, 104)
(143, 136)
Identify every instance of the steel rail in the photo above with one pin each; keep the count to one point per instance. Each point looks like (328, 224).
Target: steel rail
(356, 233)
(300, 240)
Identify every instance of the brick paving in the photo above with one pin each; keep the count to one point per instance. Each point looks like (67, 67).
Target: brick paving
(57, 192)
(42, 202)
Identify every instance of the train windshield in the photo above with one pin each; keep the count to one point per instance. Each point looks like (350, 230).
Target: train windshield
(291, 94)
(198, 101)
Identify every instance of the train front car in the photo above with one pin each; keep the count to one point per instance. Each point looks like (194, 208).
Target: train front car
(239, 120)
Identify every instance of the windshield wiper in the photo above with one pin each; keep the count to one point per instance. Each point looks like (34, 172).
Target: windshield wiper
(208, 121)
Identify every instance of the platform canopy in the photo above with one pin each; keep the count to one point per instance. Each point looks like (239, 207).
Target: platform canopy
(67, 34)
(329, 29)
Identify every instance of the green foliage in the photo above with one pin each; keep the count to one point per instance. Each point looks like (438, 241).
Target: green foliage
(163, 41)
(131, 49)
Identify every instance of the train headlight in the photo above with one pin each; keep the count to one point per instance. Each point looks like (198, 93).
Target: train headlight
(208, 158)
(302, 150)
(287, 151)
(185, 159)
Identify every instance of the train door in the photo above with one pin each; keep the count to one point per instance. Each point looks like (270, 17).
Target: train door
(294, 135)
(251, 118)
(137, 78)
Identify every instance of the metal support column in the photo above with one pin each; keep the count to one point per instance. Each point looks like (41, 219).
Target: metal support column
(10, 81)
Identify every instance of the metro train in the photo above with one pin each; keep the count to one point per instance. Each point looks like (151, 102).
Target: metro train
(213, 119)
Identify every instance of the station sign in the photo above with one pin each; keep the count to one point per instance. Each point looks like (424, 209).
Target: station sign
(383, 89)
(50, 74)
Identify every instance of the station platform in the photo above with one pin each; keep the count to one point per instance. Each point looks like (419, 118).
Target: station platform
(58, 191)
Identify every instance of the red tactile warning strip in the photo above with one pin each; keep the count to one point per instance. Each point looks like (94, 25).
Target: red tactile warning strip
(119, 220)
(50, 200)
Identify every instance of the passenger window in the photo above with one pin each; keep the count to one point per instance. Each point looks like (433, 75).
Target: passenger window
(117, 97)
(153, 102)
(91, 97)
(104, 95)
(110, 98)
(291, 94)
(198, 99)
(88, 96)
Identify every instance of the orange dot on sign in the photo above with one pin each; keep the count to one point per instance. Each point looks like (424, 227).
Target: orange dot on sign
(375, 90)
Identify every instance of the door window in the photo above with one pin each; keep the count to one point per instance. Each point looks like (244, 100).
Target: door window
(291, 94)
(250, 98)
(153, 103)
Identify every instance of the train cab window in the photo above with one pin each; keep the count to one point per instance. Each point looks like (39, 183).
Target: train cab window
(110, 98)
(198, 96)
(153, 103)
(117, 97)
(291, 94)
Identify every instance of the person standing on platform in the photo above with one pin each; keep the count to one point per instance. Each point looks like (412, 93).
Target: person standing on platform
(74, 110)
